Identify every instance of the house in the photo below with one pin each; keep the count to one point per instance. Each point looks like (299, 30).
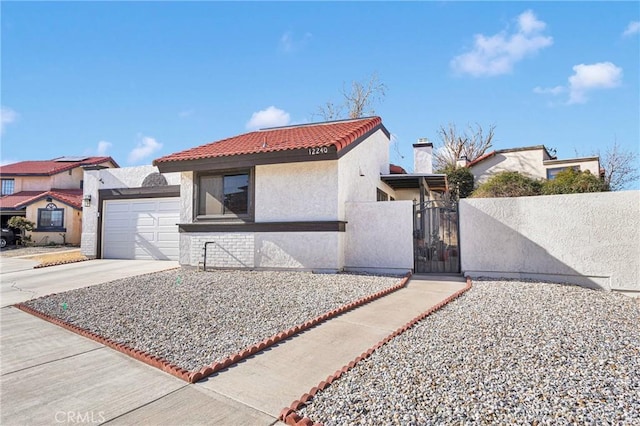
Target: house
(533, 161)
(308, 197)
(49, 194)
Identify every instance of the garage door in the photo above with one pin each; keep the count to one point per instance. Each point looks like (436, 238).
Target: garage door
(141, 229)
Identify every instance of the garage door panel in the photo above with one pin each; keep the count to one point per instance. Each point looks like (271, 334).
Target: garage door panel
(144, 206)
(168, 206)
(145, 236)
(168, 237)
(141, 229)
(146, 221)
(118, 224)
(164, 221)
(117, 207)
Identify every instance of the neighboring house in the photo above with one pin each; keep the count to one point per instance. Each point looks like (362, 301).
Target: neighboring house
(49, 194)
(533, 161)
(295, 197)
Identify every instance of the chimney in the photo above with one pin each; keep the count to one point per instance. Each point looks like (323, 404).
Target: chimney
(423, 156)
(462, 161)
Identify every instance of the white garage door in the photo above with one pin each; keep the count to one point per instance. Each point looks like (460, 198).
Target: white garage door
(141, 229)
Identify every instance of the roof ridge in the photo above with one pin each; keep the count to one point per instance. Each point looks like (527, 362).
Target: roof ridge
(316, 123)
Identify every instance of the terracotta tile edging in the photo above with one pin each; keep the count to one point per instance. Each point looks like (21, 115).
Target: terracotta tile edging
(289, 414)
(59, 262)
(200, 373)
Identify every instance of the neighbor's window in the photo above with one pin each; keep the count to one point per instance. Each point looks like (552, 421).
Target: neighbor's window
(551, 173)
(50, 219)
(224, 194)
(8, 186)
(381, 195)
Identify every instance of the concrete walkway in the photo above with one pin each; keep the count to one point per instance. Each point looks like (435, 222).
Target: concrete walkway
(50, 375)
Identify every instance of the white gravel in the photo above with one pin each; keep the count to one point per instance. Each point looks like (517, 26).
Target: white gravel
(193, 319)
(506, 352)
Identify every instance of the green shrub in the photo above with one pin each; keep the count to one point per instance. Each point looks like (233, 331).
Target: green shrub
(508, 184)
(570, 181)
(460, 181)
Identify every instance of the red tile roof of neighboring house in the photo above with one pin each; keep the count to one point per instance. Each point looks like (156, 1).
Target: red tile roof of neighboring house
(481, 158)
(71, 197)
(337, 133)
(50, 167)
(396, 170)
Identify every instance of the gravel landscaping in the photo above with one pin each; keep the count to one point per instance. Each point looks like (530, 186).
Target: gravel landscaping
(193, 319)
(506, 352)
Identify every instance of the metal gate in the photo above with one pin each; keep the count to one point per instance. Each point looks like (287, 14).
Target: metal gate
(435, 237)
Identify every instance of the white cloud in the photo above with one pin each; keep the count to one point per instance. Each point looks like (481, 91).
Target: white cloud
(528, 23)
(185, 113)
(497, 54)
(270, 117)
(145, 147)
(7, 116)
(289, 44)
(632, 28)
(103, 147)
(550, 90)
(603, 75)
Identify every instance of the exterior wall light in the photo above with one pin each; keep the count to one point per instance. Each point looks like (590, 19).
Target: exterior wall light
(87, 200)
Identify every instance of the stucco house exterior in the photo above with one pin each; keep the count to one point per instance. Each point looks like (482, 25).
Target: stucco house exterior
(49, 194)
(534, 161)
(318, 196)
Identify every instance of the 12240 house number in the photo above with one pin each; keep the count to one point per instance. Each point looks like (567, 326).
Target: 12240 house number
(317, 151)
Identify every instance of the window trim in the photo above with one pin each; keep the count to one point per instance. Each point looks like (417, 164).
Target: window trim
(229, 217)
(41, 228)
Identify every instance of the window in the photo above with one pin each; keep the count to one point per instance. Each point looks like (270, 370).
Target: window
(50, 219)
(381, 195)
(225, 195)
(8, 186)
(551, 173)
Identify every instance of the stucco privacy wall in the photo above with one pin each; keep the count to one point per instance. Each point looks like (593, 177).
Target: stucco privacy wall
(588, 239)
(379, 236)
(94, 180)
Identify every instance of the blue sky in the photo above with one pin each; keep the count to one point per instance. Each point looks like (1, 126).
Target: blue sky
(138, 80)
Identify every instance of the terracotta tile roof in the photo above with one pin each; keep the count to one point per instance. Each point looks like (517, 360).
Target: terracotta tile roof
(394, 169)
(337, 133)
(481, 158)
(49, 167)
(71, 197)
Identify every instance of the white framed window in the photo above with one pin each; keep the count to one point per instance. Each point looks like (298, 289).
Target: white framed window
(8, 186)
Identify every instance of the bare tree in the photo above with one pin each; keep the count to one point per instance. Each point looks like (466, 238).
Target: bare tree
(358, 102)
(471, 143)
(620, 167)
(330, 111)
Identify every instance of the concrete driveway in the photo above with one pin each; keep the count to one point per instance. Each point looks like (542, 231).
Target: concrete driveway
(19, 282)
